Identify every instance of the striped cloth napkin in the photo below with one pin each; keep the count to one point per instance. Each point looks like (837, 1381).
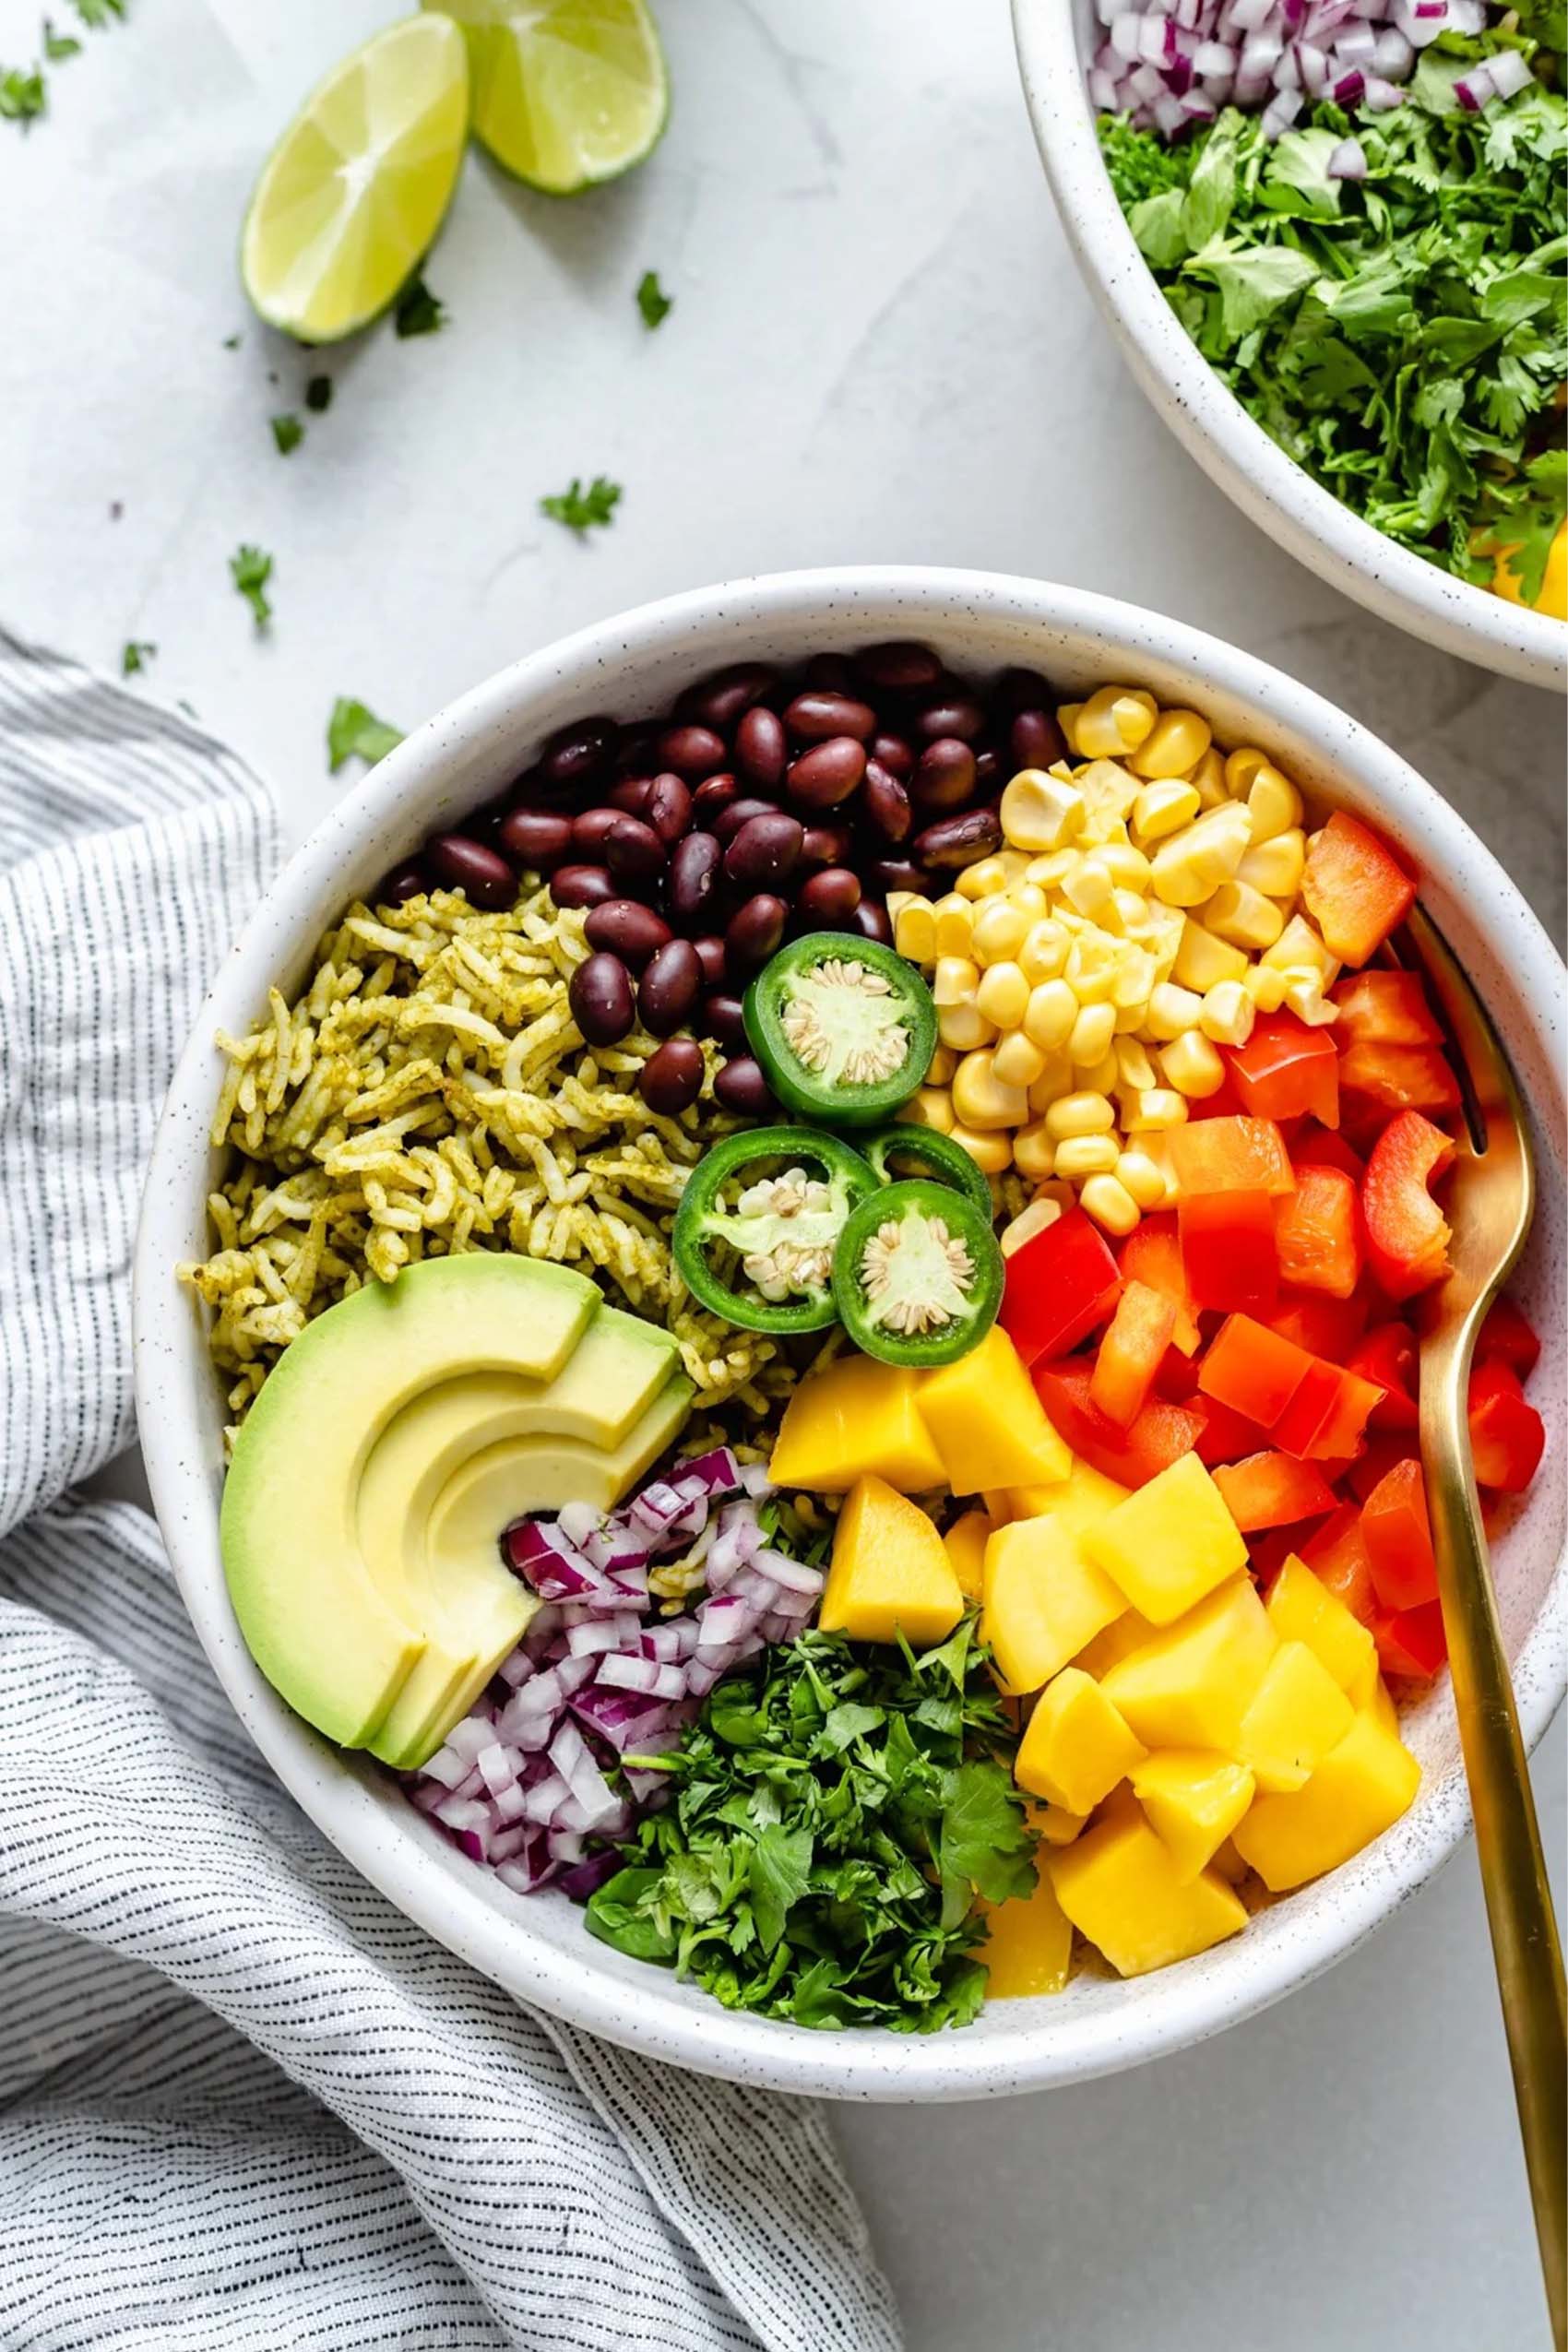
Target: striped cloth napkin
(242, 2101)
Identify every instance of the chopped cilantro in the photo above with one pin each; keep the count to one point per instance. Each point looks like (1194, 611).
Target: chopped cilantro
(318, 394)
(579, 508)
(58, 46)
(287, 433)
(418, 311)
(21, 95)
(652, 300)
(251, 570)
(134, 655)
(355, 732)
(97, 15)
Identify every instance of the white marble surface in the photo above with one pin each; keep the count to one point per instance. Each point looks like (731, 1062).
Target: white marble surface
(879, 349)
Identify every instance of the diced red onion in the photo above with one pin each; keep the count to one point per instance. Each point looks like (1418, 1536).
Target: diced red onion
(1475, 88)
(1510, 72)
(1350, 89)
(1349, 161)
(1280, 112)
(1354, 45)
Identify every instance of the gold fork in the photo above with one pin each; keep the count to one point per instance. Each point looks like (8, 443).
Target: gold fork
(1487, 1207)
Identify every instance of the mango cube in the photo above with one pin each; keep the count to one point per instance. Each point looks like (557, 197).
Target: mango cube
(1301, 1609)
(1076, 1747)
(1191, 1685)
(889, 1573)
(1170, 1542)
(1055, 1823)
(856, 1418)
(1043, 1600)
(1194, 1800)
(1378, 1704)
(1298, 1714)
(1121, 1637)
(1027, 1946)
(1119, 1886)
(964, 1543)
(1359, 1791)
(987, 1423)
(1227, 1864)
(1085, 1498)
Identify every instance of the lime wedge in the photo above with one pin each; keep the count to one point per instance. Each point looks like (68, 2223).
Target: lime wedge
(566, 92)
(354, 191)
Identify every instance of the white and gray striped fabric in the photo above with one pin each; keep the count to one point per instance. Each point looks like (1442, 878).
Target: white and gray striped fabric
(244, 2103)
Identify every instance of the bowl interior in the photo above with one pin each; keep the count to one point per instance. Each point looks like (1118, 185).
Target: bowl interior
(1055, 43)
(536, 1946)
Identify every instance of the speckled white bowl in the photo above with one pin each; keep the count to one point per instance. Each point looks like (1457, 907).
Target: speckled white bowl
(1055, 39)
(536, 1946)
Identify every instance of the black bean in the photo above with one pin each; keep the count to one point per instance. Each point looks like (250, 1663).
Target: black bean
(944, 775)
(633, 850)
(831, 673)
(693, 878)
(599, 995)
(581, 886)
(950, 714)
(761, 748)
(630, 795)
(671, 1080)
(692, 751)
(885, 803)
(713, 793)
(763, 852)
(720, 701)
(710, 956)
(729, 821)
(989, 775)
(1035, 740)
(870, 920)
(828, 774)
(670, 988)
(896, 874)
(816, 717)
(461, 863)
(404, 882)
(576, 755)
(623, 928)
(829, 899)
(958, 840)
(723, 1020)
(536, 839)
(669, 809)
(754, 931)
(903, 667)
(1022, 690)
(895, 755)
(590, 828)
(740, 1087)
(830, 844)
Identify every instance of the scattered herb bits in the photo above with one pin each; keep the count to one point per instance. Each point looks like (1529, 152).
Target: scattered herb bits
(21, 95)
(134, 655)
(581, 509)
(287, 433)
(318, 395)
(355, 732)
(652, 300)
(58, 46)
(251, 568)
(418, 310)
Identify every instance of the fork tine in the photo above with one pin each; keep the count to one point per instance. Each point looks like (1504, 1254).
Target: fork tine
(1494, 1113)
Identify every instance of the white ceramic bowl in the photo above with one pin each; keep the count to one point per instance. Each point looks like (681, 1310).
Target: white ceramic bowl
(1056, 39)
(536, 1946)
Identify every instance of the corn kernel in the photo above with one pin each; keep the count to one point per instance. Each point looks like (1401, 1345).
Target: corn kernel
(985, 879)
(1274, 866)
(1266, 986)
(1043, 952)
(1163, 808)
(1228, 1014)
(1173, 746)
(1203, 961)
(1091, 967)
(991, 1152)
(1130, 906)
(1155, 1107)
(1034, 1151)
(1300, 948)
(1304, 996)
(1050, 1014)
(1129, 1018)
(1128, 869)
(1172, 1010)
(1056, 1078)
(964, 1028)
(1040, 1216)
(943, 1062)
(1091, 1034)
(1039, 811)
(1109, 793)
(1114, 720)
(1273, 805)
(1080, 1114)
(1017, 1061)
(999, 932)
(1067, 714)
(1049, 871)
(1241, 766)
(1191, 865)
(928, 1107)
(1003, 995)
(1160, 934)
(981, 1100)
(1207, 780)
(1142, 1176)
(1192, 1065)
(1110, 1205)
(1030, 900)
(1243, 916)
(1134, 1067)
(1088, 889)
(955, 922)
(914, 926)
(955, 980)
(1080, 1155)
(1135, 983)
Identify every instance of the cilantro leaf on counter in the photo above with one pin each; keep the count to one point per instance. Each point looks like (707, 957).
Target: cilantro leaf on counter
(580, 509)
(134, 655)
(652, 300)
(835, 1812)
(22, 98)
(418, 312)
(353, 731)
(251, 568)
(318, 395)
(97, 15)
(58, 46)
(287, 433)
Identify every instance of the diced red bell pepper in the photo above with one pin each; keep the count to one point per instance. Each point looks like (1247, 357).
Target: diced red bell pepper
(1252, 1370)
(1397, 1533)
(1059, 1286)
(1388, 1358)
(1507, 1434)
(1327, 1414)
(1323, 1326)
(1131, 1352)
(1157, 1436)
(1230, 1155)
(1152, 1254)
(1286, 1070)
(1411, 1642)
(1400, 1077)
(1176, 1377)
(1354, 887)
(1316, 1233)
(1228, 1435)
(1505, 1338)
(1371, 1468)
(1407, 1234)
(1272, 1490)
(1336, 1555)
(1227, 1250)
(1317, 1149)
(1384, 1008)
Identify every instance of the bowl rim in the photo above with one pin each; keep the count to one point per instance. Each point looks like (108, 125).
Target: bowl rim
(1233, 450)
(389, 1845)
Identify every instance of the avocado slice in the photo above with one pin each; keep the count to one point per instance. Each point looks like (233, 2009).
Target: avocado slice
(335, 1634)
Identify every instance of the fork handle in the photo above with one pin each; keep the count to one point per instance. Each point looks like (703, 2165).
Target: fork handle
(1518, 1898)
